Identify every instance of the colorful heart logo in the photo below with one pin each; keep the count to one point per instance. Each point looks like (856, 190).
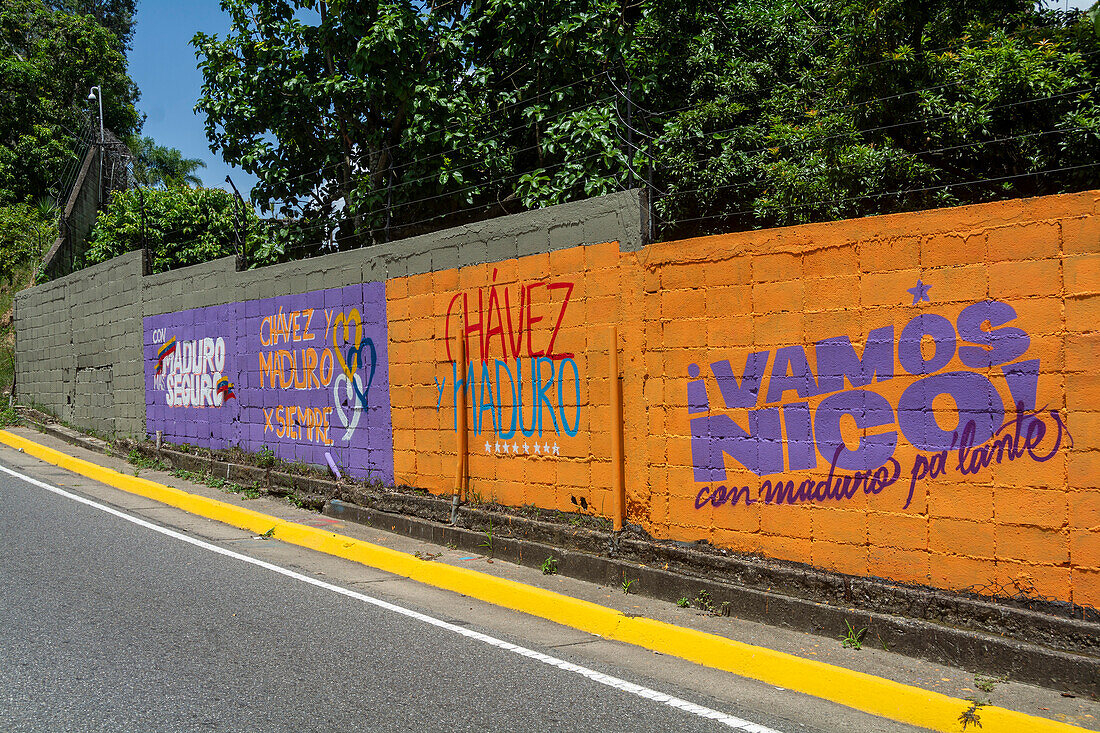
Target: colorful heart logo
(345, 320)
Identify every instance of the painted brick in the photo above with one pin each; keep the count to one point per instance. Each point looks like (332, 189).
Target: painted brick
(1033, 544)
(833, 293)
(1084, 508)
(779, 296)
(1084, 548)
(1039, 240)
(897, 531)
(733, 271)
(1024, 279)
(954, 248)
(1085, 584)
(1025, 579)
(1083, 314)
(839, 526)
(1083, 469)
(1082, 274)
(894, 253)
(905, 566)
(677, 304)
(840, 558)
(789, 521)
(1080, 234)
(961, 537)
(778, 266)
(831, 261)
(958, 572)
(886, 288)
(1031, 507)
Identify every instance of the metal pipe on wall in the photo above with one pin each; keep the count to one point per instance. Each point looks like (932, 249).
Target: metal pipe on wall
(618, 486)
(462, 468)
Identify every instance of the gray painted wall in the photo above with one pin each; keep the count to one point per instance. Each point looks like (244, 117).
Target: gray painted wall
(79, 338)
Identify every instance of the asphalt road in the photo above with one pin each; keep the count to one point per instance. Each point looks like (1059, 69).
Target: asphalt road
(107, 625)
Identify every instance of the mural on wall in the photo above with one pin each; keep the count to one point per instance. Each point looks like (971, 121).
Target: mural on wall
(846, 416)
(305, 375)
(522, 380)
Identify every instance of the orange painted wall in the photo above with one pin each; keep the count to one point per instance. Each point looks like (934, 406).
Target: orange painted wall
(1019, 525)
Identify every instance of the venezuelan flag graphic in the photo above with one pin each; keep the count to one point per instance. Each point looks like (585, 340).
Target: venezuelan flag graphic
(168, 348)
(225, 388)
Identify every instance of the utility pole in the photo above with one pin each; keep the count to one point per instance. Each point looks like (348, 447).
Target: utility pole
(97, 94)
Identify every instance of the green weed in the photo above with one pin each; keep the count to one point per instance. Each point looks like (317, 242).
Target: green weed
(970, 715)
(986, 683)
(549, 566)
(488, 542)
(853, 639)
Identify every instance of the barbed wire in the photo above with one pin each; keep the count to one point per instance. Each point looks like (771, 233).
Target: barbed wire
(452, 150)
(907, 123)
(847, 199)
(904, 156)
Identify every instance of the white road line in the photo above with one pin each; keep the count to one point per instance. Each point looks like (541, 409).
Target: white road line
(604, 679)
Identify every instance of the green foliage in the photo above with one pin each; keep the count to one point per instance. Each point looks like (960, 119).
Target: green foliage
(26, 232)
(155, 165)
(972, 715)
(549, 565)
(683, 602)
(8, 416)
(265, 458)
(852, 638)
(183, 226)
(48, 62)
(341, 109)
(776, 134)
(489, 538)
(628, 584)
(364, 123)
(117, 16)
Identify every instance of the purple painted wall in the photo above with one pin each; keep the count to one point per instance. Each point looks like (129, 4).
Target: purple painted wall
(306, 375)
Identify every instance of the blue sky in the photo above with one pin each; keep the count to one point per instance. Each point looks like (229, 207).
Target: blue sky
(163, 65)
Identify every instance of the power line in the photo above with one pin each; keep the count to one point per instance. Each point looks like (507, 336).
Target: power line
(905, 156)
(883, 128)
(924, 189)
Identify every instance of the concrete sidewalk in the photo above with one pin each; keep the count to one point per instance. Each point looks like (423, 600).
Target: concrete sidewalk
(914, 674)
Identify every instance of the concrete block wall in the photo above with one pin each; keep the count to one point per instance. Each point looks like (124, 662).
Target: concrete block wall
(965, 312)
(842, 395)
(78, 346)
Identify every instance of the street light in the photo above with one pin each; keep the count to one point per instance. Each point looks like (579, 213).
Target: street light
(97, 94)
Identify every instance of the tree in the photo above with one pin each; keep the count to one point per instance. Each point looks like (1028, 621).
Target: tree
(117, 16)
(840, 109)
(374, 119)
(49, 62)
(368, 120)
(180, 226)
(25, 232)
(155, 165)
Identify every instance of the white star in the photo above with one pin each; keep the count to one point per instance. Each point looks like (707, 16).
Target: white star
(536, 449)
(556, 449)
(545, 447)
(526, 449)
(498, 447)
(515, 448)
(488, 448)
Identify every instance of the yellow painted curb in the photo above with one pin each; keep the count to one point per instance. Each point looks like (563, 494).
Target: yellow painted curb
(870, 694)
